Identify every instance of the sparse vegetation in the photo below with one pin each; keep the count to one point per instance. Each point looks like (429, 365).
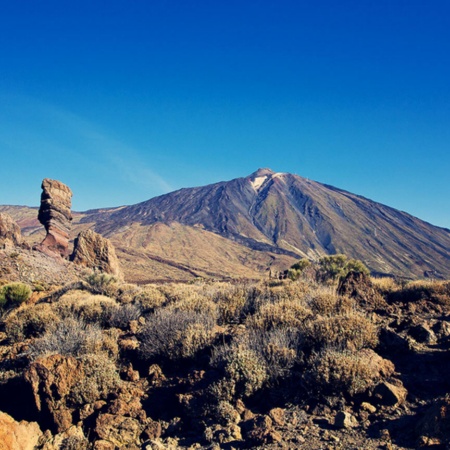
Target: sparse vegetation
(213, 361)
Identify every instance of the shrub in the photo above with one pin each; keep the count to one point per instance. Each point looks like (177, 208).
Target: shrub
(31, 321)
(100, 379)
(230, 302)
(284, 313)
(243, 366)
(326, 302)
(121, 316)
(14, 294)
(297, 269)
(335, 266)
(70, 337)
(175, 334)
(336, 372)
(102, 283)
(351, 331)
(150, 297)
(278, 348)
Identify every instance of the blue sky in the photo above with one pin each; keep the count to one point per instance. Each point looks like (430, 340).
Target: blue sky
(126, 100)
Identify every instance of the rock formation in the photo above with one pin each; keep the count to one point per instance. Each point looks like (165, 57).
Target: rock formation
(95, 252)
(56, 217)
(10, 234)
(18, 435)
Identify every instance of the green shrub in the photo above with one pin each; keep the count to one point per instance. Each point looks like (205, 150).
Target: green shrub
(102, 283)
(14, 294)
(296, 269)
(334, 267)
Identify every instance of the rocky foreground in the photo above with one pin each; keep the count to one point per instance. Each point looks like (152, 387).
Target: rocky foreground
(99, 364)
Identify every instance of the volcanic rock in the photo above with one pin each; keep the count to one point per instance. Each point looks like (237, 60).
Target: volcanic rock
(95, 252)
(56, 217)
(52, 380)
(18, 435)
(10, 234)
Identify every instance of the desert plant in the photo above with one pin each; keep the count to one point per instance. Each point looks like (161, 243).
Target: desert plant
(279, 348)
(121, 316)
(102, 283)
(297, 269)
(333, 267)
(244, 366)
(351, 331)
(174, 334)
(30, 321)
(70, 337)
(101, 377)
(335, 371)
(13, 294)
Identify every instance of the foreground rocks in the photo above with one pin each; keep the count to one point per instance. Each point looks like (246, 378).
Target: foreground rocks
(55, 215)
(18, 435)
(95, 252)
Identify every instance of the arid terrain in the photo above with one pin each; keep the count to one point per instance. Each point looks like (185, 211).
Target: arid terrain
(319, 353)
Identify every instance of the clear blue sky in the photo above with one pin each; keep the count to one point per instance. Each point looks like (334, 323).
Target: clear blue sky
(126, 100)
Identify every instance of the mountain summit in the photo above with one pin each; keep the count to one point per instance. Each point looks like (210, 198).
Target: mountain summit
(281, 214)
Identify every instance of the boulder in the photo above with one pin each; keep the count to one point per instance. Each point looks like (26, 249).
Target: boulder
(344, 419)
(55, 215)
(95, 252)
(10, 233)
(118, 429)
(357, 285)
(389, 394)
(18, 435)
(435, 423)
(52, 380)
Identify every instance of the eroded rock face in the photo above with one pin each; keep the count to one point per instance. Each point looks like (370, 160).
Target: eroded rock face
(95, 252)
(52, 380)
(10, 234)
(18, 435)
(55, 215)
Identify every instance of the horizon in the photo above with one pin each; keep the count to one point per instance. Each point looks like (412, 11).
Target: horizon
(127, 102)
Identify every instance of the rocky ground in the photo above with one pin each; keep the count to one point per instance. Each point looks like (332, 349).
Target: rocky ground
(99, 364)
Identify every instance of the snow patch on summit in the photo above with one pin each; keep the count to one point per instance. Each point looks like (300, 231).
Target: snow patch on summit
(258, 182)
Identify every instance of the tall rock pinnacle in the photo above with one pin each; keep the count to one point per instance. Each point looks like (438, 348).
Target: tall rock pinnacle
(55, 215)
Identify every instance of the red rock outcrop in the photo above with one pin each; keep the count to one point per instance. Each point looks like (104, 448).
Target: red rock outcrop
(55, 215)
(95, 252)
(18, 435)
(52, 380)
(10, 234)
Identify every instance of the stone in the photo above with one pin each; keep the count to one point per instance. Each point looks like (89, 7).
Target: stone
(55, 215)
(357, 285)
(365, 406)
(18, 435)
(118, 429)
(10, 233)
(389, 394)
(52, 380)
(434, 425)
(277, 415)
(344, 419)
(422, 334)
(93, 251)
(259, 430)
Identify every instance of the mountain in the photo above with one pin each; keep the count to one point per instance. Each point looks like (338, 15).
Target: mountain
(267, 220)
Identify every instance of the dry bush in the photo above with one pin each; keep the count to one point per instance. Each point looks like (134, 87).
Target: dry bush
(121, 316)
(69, 337)
(325, 301)
(243, 366)
(336, 372)
(280, 349)
(30, 321)
(434, 291)
(101, 377)
(126, 293)
(174, 334)
(350, 331)
(230, 300)
(283, 313)
(385, 285)
(150, 297)
(90, 308)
